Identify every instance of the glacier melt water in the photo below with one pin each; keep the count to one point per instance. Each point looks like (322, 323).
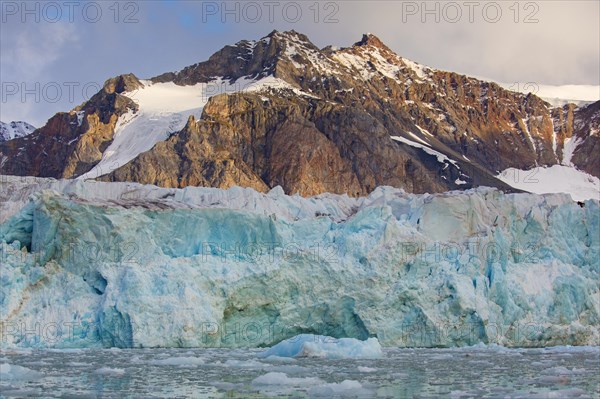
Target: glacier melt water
(474, 372)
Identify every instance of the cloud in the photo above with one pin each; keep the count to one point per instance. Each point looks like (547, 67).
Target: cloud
(563, 47)
(34, 49)
(25, 61)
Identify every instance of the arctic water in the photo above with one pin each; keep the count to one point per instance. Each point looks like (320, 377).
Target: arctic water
(472, 372)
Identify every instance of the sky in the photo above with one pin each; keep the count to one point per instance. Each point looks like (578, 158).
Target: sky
(56, 54)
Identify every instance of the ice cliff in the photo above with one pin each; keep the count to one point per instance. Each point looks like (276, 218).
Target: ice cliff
(90, 264)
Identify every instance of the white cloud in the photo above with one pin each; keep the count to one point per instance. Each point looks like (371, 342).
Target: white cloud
(34, 50)
(562, 48)
(25, 61)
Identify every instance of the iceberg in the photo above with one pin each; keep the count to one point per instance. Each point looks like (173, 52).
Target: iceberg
(277, 383)
(14, 372)
(310, 345)
(97, 265)
(278, 379)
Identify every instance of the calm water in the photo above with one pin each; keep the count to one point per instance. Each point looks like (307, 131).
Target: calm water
(402, 373)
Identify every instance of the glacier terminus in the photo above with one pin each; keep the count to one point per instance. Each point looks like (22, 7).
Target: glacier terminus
(97, 265)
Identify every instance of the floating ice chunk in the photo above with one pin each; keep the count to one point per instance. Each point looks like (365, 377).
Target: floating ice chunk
(309, 345)
(178, 361)
(460, 394)
(13, 372)
(78, 364)
(364, 369)
(226, 386)
(560, 370)
(110, 371)
(65, 350)
(561, 393)
(344, 388)
(281, 379)
(288, 369)
(280, 360)
(252, 364)
(442, 357)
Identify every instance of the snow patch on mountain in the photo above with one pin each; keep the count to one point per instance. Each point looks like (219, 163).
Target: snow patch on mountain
(569, 148)
(440, 157)
(164, 109)
(419, 69)
(352, 61)
(555, 179)
(13, 130)
(371, 61)
(526, 129)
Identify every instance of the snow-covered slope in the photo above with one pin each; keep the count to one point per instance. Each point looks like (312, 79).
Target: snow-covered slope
(137, 266)
(164, 109)
(554, 179)
(12, 130)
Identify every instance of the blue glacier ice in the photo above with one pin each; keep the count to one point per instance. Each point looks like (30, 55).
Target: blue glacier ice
(91, 264)
(310, 345)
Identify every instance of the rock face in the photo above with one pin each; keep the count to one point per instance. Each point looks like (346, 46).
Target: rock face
(586, 133)
(70, 143)
(240, 141)
(342, 121)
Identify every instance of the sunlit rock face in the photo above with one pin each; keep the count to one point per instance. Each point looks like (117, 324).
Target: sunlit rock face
(91, 264)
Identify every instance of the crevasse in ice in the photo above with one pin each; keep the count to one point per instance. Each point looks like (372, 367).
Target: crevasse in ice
(89, 264)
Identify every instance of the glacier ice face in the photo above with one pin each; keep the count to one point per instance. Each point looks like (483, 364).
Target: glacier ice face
(87, 264)
(16, 193)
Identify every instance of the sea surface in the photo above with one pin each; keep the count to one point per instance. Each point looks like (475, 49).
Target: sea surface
(474, 372)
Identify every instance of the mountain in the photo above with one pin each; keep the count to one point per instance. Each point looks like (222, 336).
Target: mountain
(12, 130)
(281, 111)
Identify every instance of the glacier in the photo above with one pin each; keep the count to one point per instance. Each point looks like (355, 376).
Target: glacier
(89, 264)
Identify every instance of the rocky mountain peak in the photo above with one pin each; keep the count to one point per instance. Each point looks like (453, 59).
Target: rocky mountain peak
(290, 43)
(289, 35)
(247, 58)
(370, 39)
(122, 83)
